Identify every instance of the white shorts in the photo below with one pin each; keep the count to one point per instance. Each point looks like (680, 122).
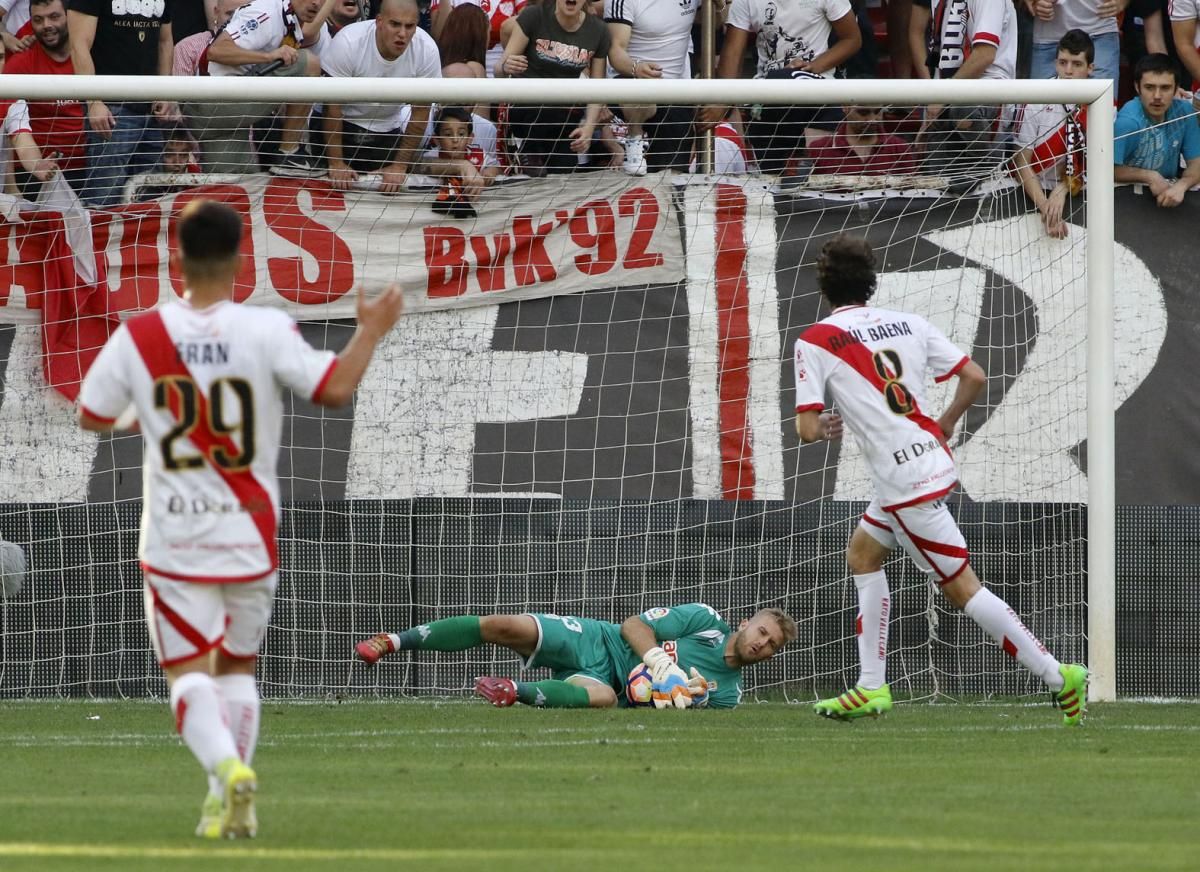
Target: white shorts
(926, 531)
(187, 619)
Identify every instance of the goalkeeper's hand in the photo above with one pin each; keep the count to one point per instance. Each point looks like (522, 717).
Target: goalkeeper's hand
(698, 688)
(671, 693)
(668, 683)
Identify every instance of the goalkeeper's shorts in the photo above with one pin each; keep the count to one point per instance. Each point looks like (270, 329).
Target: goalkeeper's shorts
(926, 531)
(570, 646)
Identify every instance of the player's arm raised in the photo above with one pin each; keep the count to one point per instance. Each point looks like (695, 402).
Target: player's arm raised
(971, 381)
(670, 683)
(376, 317)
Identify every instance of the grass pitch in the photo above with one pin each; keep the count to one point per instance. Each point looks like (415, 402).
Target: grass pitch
(108, 786)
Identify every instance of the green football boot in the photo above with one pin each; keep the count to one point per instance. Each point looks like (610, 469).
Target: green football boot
(210, 817)
(857, 702)
(238, 820)
(1072, 699)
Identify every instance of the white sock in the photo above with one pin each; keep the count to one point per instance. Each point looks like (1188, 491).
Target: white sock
(874, 607)
(241, 698)
(1002, 624)
(200, 719)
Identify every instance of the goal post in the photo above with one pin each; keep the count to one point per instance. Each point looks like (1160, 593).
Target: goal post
(574, 523)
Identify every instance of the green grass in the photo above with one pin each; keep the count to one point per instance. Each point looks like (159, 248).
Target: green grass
(107, 786)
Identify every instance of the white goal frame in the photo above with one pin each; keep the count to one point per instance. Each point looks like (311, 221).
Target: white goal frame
(1096, 94)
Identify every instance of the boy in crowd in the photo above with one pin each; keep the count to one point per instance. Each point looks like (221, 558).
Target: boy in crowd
(459, 156)
(1050, 137)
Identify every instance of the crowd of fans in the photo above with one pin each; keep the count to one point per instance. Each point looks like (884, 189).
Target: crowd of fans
(1150, 46)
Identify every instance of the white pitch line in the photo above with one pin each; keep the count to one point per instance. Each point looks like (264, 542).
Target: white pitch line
(602, 734)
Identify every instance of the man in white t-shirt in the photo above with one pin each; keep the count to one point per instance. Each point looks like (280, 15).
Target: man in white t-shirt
(793, 42)
(651, 40)
(202, 377)
(264, 37)
(1049, 161)
(378, 137)
(963, 39)
(1184, 18)
(875, 364)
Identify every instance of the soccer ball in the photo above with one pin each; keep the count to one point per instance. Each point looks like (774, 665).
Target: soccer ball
(638, 686)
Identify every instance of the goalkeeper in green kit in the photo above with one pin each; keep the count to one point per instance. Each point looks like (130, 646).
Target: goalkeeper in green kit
(694, 658)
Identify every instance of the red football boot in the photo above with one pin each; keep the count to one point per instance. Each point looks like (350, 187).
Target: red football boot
(500, 692)
(370, 650)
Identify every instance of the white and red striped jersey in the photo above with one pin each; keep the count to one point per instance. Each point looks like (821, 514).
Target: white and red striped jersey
(206, 385)
(1050, 131)
(876, 364)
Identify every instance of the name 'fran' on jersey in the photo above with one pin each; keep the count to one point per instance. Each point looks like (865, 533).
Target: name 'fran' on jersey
(876, 364)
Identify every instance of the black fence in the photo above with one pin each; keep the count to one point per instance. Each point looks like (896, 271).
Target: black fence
(352, 568)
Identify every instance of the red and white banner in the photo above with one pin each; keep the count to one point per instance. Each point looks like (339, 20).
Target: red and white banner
(307, 247)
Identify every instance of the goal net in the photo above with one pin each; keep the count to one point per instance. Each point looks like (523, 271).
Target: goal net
(588, 406)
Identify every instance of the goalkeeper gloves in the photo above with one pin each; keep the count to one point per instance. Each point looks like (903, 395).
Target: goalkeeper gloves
(668, 683)
(698, 688)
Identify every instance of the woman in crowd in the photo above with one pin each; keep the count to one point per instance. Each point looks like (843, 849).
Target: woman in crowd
(558, 40)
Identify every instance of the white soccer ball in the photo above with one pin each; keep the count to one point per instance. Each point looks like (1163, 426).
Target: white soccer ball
(639, 686)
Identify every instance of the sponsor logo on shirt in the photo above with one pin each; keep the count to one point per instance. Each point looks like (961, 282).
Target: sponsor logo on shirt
(912, 452)
(177, 505)
(655, 614)
(562, 53)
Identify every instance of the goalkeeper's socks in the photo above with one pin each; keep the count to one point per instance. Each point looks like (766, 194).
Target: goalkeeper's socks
(200, 719)
(241, 700)
(451, 634)
(552, 694)
(874, 604)
(1002, 624)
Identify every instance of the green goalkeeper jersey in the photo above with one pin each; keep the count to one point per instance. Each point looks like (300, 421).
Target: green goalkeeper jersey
(694, 635)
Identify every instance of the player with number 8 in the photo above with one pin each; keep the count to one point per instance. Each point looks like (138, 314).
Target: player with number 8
(875, 363)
